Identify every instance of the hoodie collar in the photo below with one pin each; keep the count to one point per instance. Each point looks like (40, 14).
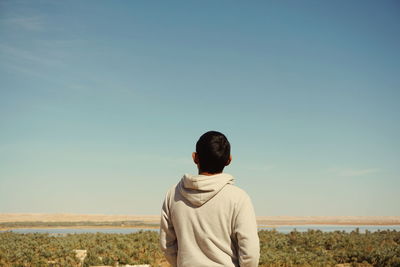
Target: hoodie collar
(198, 189)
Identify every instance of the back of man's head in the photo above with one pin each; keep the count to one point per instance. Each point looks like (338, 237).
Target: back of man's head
(213, 150)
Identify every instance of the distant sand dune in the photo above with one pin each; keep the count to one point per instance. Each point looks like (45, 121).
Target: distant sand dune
(336, 220)
(70, 217)
(150, 219)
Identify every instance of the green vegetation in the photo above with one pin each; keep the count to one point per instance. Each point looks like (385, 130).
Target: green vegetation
(312, 248)
(102, 249)
(317, 248)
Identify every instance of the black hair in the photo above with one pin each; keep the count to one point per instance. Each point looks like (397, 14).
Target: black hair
(213, 150)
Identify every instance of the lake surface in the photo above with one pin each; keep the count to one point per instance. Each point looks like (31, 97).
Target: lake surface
(331, 228)
(281, 229)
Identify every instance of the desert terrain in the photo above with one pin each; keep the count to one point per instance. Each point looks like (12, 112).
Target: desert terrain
(71, 217)
(154, 219)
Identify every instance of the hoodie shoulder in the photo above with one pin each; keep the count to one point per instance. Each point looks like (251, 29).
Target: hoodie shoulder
(236, 191)
(170, 194)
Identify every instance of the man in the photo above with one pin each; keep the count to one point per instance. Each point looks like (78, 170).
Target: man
(206, 220)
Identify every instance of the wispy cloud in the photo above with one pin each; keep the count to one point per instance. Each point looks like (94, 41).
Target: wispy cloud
(26, 71)
(27, 23)
(28, 56)
(350, 172)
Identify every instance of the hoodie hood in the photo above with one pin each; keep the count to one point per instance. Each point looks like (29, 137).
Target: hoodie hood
(198, 189)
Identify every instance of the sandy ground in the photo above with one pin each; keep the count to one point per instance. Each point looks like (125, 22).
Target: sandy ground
(69, 217)
(154, 219)
(326, 220)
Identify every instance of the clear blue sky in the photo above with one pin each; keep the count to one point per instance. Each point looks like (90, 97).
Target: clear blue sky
(101, 103)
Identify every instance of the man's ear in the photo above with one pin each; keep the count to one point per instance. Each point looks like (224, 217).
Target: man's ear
(195, 158)
(229, 160)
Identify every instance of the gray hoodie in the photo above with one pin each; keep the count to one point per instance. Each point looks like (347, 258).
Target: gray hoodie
(207, 221)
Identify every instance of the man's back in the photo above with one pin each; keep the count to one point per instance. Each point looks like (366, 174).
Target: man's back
(207, 221)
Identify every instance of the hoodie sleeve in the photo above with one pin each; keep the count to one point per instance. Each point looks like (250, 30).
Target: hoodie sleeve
(245, 228)
(168, 241)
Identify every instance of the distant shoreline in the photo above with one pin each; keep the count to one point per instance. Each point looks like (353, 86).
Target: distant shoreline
(80, 227)
(9, 221)
(153, 227)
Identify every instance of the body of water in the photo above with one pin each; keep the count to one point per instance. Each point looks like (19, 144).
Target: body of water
(331, 228)
(281, 229)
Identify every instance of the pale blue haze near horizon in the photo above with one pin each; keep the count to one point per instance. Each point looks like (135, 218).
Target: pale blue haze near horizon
(101, 103)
